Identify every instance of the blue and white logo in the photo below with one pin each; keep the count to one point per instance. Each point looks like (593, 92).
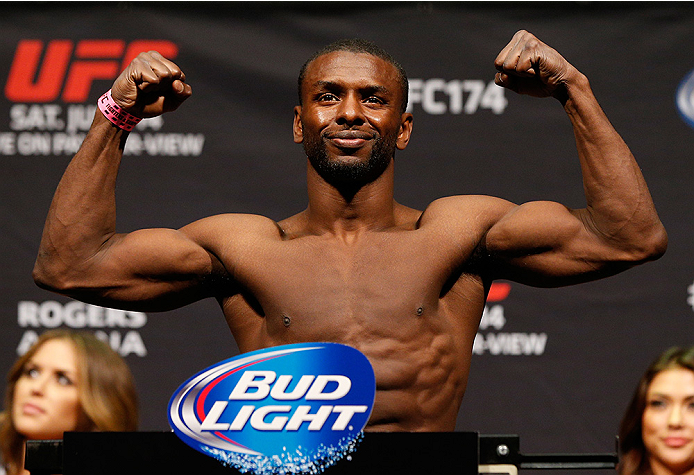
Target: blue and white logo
(288, 409)
(685, 99)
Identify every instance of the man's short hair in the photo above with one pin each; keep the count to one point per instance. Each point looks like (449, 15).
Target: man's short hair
(358, 45)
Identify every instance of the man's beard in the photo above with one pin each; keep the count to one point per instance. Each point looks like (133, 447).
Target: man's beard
(342, 173)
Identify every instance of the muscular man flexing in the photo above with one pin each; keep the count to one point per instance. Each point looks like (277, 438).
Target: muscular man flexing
(405, 287)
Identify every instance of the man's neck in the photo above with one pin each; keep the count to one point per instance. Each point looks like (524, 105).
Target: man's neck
(349, 211)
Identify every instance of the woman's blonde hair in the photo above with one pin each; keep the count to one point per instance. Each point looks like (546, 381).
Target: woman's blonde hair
(106, 390)
(634, 459)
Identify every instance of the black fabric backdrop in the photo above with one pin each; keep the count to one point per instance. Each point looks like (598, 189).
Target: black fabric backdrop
(556, 366)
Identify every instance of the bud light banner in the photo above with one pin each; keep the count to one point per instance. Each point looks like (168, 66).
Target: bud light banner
(292, 409)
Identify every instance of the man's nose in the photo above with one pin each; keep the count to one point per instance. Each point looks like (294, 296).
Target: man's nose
(350, 111)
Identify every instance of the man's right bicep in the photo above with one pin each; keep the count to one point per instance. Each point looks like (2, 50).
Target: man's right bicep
(149, 268)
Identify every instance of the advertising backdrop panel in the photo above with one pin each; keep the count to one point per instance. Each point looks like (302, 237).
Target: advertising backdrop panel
(556, 366)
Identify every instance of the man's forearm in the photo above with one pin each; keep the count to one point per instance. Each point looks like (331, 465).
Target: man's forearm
(619, 205)
(82, 215)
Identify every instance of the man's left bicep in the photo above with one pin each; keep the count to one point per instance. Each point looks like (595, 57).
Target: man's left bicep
(546, 243)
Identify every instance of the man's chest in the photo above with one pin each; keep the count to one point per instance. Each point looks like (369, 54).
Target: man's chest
(376, 285)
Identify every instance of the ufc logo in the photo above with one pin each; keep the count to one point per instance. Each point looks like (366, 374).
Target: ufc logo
(76, 66)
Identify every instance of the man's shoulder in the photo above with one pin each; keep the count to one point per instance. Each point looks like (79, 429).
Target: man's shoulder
(234, 224)
(462, 221)
(467, 207)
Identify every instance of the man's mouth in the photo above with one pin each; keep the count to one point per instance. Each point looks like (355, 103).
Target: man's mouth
(349, 138)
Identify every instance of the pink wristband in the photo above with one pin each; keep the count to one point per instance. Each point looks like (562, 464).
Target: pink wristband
(116, 114)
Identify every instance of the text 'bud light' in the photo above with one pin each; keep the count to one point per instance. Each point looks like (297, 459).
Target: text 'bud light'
(287, 409)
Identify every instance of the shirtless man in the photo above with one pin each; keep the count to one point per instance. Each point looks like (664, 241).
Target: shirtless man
(405, 287)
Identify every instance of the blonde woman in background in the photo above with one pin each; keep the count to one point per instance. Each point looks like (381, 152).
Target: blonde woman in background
(67, 381)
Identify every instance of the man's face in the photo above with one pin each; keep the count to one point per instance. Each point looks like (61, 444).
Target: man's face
(350, 122)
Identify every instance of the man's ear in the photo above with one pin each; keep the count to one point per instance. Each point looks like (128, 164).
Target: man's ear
(298, 128)
(405, 131)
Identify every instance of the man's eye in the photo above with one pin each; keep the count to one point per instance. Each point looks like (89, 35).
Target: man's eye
(328, 97)
(373, 100)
